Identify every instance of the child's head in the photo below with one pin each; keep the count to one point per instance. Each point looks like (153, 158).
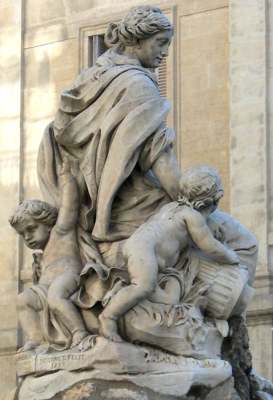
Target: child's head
(201, 188)
(34, 219)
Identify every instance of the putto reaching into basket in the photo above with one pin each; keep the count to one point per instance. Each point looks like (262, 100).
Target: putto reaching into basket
(156, 246)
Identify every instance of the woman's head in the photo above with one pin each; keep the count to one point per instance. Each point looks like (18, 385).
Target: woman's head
(145, 29)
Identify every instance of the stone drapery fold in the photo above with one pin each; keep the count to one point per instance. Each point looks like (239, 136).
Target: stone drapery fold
(112, 120)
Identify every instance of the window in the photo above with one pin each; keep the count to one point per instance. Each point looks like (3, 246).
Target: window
(161, 73)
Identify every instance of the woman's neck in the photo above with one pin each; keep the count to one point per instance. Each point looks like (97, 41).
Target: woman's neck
(129, 52)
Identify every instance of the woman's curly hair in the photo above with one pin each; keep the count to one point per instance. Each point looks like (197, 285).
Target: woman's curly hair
(38, 210)
(200, 187)
(140, 23)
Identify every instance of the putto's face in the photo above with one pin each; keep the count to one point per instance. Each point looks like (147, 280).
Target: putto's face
(151, 51)
(35, 234)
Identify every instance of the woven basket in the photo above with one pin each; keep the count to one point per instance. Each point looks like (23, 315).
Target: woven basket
(227, 283)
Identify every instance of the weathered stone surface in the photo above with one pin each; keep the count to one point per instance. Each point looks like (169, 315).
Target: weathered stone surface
(145, 367)
(261, 388)
(76, 386)
(116, 354)
(120, 358)
(263, 396)
(236, 352)
(101, 390)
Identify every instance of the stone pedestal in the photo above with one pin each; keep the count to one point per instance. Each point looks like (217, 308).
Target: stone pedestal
(120, 366)
(104, 390)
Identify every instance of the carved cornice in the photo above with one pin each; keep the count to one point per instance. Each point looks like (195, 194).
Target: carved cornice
(260, 310)
(261, 317)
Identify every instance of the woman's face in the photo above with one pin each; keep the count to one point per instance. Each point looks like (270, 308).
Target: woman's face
(151, 51)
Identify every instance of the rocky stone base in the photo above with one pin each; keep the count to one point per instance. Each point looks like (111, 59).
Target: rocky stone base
(236, 351)
(112, 390)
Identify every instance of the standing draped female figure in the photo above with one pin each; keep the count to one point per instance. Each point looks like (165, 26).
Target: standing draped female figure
(112, 122)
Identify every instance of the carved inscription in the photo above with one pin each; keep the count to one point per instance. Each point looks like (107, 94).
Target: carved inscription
(62, 361)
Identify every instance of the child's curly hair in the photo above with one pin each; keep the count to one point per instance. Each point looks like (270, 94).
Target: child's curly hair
(39, 210)
(200, 187)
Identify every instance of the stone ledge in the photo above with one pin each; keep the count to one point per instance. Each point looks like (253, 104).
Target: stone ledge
(80, 388)
(260, 310)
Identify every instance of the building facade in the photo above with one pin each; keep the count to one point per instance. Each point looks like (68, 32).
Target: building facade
(219, 80)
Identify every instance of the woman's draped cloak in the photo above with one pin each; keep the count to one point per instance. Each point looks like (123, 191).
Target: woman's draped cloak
(112, 121)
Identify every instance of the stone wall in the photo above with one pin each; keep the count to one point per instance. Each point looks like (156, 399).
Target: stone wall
(251, 158)
(10, 178)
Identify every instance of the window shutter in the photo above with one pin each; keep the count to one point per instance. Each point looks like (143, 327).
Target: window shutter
(96, 47)
(161, 73)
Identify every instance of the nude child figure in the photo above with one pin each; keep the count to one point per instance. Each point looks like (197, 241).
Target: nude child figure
(157, 244)
(43, 227)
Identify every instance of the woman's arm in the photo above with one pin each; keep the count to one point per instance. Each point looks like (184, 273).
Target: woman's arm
(167, 171)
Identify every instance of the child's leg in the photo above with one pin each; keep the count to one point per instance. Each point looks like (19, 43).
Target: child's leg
(173, 290)
(60, 304)
(29, 305)
(142, 268)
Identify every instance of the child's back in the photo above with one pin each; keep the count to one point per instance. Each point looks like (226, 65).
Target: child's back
(171, 231)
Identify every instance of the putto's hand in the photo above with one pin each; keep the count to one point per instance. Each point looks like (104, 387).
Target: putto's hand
(217, 231)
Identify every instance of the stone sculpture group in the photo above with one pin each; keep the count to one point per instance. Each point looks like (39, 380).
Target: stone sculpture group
(136, 271)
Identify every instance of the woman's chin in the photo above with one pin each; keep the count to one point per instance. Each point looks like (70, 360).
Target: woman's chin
(151, 65)
(156, 64)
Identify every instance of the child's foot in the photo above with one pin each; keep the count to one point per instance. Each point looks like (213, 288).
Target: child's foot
(42, 348)
(28, 346)
(77, 338)
(109, 329)
(87, 343)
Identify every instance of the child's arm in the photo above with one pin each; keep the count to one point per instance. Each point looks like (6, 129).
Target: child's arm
(70, 201)
(204, 240)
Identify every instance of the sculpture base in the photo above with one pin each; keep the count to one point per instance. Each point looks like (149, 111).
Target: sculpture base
(126, 364)
(113, 390)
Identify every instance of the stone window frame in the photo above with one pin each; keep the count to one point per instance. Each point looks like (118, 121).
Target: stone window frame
(167, 71)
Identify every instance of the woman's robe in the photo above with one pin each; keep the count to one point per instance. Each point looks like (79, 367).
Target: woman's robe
(112, 121)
